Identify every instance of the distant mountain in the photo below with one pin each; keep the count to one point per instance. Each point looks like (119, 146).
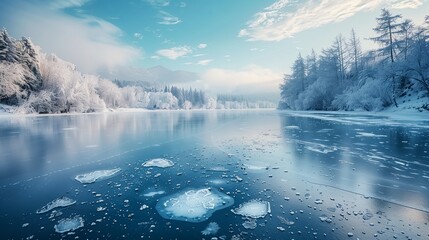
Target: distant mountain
(157, 76)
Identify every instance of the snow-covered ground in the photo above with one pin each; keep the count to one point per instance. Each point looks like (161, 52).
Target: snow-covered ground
(5, 109)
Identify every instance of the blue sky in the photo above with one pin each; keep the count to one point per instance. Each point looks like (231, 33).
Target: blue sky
(234, 46)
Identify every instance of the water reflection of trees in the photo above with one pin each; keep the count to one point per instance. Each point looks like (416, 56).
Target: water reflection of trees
(35, 142)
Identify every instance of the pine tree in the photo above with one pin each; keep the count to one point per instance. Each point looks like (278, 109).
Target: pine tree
(298, 71)
(311, 68)
(356, 51)
(387, 29)
(8, 50)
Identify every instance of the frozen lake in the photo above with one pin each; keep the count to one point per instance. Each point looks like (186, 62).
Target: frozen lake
(203, 174)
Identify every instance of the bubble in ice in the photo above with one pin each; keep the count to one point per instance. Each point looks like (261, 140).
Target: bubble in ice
(253, 209)
(98, 175)
(69, 224)
(195, 205)
(368, 215)
(59, 202)
(211, 229)
(158, 162)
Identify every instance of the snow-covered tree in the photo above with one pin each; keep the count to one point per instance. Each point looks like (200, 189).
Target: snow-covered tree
(11, 81)
(187, 105)
(211, 103)
(162, 100)
(110, 93)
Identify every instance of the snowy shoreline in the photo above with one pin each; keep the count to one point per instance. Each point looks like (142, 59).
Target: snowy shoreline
(393, 114)
(125, 110)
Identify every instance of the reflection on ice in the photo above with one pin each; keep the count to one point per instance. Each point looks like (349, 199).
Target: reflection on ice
(158, 162)
(253, 209)
(96, 175)
(193, 205)
(59, 202)
(69, 224)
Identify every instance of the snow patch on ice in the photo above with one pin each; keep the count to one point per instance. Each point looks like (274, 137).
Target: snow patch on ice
(366, 134)
(59, 202)
(218, 169)
(98, 175)
(255, 167)
(217, 181)
(151, 194)
(158, 162)
(69, 224)
(211, 229)
(193, 205)
(320, 149)
(291, 127)
(253, 209)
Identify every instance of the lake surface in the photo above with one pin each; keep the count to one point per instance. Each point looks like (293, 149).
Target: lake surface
(322, 175)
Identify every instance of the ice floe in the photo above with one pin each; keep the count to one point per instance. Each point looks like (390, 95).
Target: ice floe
(211, 229)
(59, 202)
(69, 224)
(193, 205)
(158, 162)
(253, 209)
(250, 224)
(98, 175)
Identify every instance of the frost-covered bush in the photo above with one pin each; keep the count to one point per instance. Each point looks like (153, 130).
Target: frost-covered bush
(371, 96)
(187, 105)
(162, 100)
(211, 103)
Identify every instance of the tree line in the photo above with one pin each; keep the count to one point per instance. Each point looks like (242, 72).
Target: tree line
(35, 82)
(344, 77)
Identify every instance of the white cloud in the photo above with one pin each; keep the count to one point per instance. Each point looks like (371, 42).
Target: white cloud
(168, 19)
(182, 4)
(277, 21)
(204, 62)
(91, 43)
(175, 52)
(138, 35)
(402, 4)
(159, 3)
(202, 45)
(155, 57)
(251, 79)
(62, 4)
